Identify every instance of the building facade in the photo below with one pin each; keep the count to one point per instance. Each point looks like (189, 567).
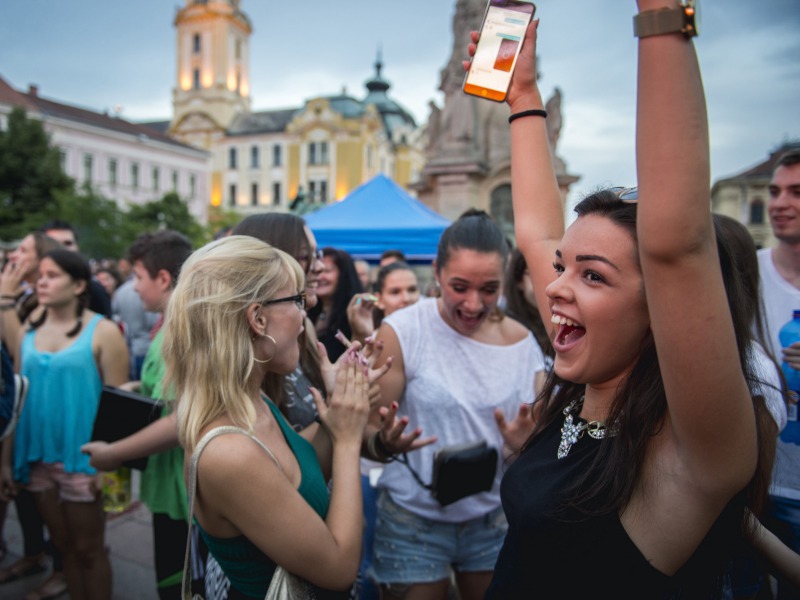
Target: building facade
(744, 196)
(127, 162)
(276, 159)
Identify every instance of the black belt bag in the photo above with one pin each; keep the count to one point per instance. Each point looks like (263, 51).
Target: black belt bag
(459, 471)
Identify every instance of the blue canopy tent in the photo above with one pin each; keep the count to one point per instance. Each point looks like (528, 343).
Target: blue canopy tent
(379, 215)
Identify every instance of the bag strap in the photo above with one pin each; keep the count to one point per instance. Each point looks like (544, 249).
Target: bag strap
(192, 488)
(403, 458)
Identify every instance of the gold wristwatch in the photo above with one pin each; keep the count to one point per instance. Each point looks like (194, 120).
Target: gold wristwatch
(683, 19)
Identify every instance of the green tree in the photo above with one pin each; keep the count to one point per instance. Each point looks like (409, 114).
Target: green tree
(219, 219)
(168, 213)
(104, 230)
(30, 176)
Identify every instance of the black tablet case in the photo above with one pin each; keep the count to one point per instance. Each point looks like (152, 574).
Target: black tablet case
(121, 414)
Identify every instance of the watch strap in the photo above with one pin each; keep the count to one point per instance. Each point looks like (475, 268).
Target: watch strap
(658, 22)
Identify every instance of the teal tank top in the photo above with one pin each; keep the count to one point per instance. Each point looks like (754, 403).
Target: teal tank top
(63, 396)
(248, 569)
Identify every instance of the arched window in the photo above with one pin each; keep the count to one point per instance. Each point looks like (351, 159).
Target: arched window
(757, 212)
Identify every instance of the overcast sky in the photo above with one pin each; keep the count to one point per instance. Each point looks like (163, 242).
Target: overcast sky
(100, 54)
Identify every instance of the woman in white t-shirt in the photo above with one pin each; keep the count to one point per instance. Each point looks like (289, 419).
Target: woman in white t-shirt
(458, 366)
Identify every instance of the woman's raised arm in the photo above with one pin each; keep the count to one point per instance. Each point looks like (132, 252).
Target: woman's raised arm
(710, 410)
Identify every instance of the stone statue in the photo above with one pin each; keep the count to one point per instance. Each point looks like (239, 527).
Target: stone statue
(459, 118)
(433, 131)
(496, 143)
(459, 124)
(554, 119)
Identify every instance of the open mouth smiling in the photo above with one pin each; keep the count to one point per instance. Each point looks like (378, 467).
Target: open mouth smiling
(569, 332)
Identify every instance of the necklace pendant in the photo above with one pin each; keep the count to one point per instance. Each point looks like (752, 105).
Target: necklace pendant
(570, 433)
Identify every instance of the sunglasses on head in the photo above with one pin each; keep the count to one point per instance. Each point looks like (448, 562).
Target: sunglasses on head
(629, 194)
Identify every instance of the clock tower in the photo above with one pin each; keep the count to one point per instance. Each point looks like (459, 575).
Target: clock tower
(213, 83)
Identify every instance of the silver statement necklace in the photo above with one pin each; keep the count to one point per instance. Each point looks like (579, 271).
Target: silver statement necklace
(572, 431)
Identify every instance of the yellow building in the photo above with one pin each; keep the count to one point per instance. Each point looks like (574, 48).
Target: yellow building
(265, 160)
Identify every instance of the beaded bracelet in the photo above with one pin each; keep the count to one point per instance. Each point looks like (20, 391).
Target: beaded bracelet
(536, 112)
(377, 449)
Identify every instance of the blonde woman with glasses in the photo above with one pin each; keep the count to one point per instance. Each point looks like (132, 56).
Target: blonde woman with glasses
(262, 499)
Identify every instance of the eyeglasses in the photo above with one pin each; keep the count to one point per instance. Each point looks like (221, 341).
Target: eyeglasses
(298, 299)
(629, 195)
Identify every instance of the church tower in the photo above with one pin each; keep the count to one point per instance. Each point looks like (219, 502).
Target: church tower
(213, 69)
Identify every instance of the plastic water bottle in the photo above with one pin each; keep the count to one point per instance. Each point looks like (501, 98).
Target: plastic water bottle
(789, 334)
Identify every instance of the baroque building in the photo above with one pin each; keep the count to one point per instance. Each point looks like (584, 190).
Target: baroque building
(467, 141)
(744, 196)
(276, 159)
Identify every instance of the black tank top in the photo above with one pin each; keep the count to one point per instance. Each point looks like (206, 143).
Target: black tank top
(553, 551)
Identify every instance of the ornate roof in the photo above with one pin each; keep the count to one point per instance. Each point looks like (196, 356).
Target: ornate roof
(267, 121)
(393, 114)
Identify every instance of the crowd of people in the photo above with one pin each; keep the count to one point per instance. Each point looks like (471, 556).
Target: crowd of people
(594, 409)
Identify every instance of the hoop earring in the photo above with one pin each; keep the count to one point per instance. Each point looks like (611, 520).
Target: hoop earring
(269, 337)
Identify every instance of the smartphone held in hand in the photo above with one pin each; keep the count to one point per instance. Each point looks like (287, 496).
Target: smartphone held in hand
(501, 36)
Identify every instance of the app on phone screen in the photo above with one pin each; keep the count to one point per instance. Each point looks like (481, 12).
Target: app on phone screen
(506, 54)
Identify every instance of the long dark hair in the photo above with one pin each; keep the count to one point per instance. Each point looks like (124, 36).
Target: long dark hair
(78, 269)
(286, 232)
(347, 286)
(739, 263)
(517, 306)
(640, 404)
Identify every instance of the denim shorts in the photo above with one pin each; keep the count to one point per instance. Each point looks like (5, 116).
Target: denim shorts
(412, 549)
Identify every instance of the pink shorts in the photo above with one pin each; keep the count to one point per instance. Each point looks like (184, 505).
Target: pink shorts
(72, 487)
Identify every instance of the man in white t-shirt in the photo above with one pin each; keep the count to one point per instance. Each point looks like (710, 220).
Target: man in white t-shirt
(780, 289)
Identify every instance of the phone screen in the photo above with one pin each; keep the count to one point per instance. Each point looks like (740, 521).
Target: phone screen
(502, 32)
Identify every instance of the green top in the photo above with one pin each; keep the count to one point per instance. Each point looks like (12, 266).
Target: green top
(163, 488)
(250, 570)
